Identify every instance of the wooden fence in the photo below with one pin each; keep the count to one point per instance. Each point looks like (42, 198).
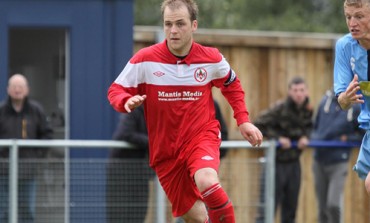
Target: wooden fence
(265, 62)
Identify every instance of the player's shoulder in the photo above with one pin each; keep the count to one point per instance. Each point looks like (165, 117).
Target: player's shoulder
(346, 40)
(154, 52)
(211, 52)
(206, 53)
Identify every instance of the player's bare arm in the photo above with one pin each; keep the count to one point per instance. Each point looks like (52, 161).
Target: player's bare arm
(134, 102)
(251, 133)
(349, 97)
(367, 183)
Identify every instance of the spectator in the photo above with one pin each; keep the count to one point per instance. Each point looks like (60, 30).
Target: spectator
(224, 130)
(288, 122)
(351, 67)
(331, 164)
(174, 81)
(21, 118)
(129, 172)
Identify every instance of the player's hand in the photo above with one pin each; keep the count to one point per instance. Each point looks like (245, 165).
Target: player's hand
(251, 133)
(134, 102)
(349, 97)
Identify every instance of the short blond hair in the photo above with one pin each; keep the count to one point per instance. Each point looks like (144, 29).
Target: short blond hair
(356, 3)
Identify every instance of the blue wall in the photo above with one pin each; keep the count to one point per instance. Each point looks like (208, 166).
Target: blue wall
(100, 43)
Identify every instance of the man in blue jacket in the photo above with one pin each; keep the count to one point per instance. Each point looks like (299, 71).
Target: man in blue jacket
(330, 165)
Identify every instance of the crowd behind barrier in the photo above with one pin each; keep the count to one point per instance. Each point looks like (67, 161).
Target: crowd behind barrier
(160, 215)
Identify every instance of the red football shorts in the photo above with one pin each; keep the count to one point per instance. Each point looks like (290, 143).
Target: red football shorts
(176, 175)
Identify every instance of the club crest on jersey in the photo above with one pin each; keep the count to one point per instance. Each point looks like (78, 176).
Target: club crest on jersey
(158, 74)
(200, 74)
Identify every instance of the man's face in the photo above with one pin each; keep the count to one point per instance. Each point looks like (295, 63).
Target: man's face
(358, 21)
(298, 93)
(17, 88)
(179, 30)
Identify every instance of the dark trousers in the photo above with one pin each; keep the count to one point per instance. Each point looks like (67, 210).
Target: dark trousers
(26, 200)
(288, 181)
(127, 190)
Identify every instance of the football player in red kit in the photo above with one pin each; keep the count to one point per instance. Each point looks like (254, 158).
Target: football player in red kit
(174, 81)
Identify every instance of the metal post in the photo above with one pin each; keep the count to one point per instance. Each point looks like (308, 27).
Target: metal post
(67, 203)
(66, 185)
(270, 182)
(161, 202)
(13, 185)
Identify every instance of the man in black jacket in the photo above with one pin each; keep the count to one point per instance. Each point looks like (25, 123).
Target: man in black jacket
(21, 118)
(288, 122)
(128, 172)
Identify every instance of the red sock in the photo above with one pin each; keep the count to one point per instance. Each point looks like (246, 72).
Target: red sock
(220, 209)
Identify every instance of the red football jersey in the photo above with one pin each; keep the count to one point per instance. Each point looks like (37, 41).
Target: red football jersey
(179, 103)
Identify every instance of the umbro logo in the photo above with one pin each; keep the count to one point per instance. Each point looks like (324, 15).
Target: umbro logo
(158, 74)
(207, 158)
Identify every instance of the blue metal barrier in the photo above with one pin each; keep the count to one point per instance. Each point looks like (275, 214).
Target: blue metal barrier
(326, 144)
